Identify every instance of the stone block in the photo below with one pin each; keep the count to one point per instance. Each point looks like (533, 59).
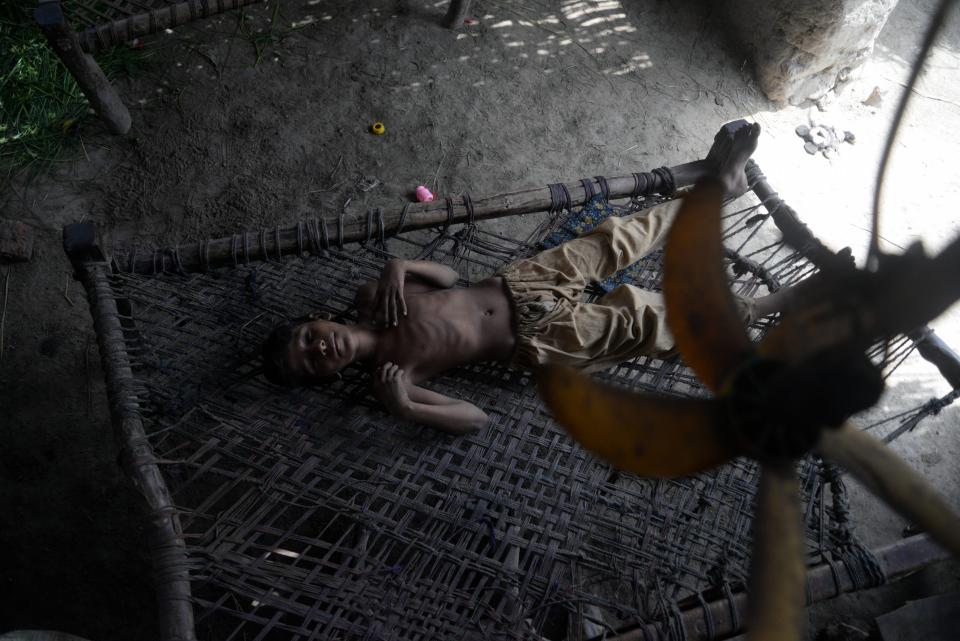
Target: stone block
(16, 241)
(801, 49)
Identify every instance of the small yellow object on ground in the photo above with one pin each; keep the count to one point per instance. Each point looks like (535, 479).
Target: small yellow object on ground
(378, 129)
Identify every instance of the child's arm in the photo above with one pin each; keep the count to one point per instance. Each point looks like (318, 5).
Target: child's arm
(427, 271)
(389, 304)
(405, 400)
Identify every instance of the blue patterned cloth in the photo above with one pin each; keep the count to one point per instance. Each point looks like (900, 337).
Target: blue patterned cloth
(580, 222)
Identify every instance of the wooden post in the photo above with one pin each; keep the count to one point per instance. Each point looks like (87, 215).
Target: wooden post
(171, 574)
(823, 582)
(305, 236)
(94, 85)
(935, 351)
(274, 244)
(456, 13)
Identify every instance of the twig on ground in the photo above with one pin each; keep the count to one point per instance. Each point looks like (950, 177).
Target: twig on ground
(22, 195)
(620, 155)
(696, 39)
(718, 91)
(658, 88)
(86, 368)
(365, 185)
(3, 314)
(436, 174)
(66, 291)
(84, 147)
(213, 63)
(336, 168)
(333, 186)
(443, 155)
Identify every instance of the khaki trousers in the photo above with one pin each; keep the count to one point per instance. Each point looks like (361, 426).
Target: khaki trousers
(553, 326)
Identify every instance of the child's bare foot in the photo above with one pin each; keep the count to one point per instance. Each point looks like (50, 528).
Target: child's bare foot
(729, 157)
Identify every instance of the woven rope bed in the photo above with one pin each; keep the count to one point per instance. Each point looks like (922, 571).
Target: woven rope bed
(312, 514)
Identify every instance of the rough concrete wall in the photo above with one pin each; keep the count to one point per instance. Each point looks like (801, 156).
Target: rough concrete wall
(800, 49)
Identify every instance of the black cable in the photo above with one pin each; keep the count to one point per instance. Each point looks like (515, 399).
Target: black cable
(939, 18)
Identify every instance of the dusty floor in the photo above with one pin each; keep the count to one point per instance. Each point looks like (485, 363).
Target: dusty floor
(259, 124)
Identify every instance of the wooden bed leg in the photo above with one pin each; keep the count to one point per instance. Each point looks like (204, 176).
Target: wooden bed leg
(456, 13)
(95, 86)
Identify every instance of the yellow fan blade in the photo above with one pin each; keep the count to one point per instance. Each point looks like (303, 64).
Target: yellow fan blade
(701, 311)
(649, 435)
(807, 332)
(777, 572)
(889, 478)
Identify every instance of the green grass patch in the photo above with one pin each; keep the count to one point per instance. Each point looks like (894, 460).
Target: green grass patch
(263, 39)
(41, 106)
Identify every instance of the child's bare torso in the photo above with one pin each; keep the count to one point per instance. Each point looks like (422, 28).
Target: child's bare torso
(447, 328)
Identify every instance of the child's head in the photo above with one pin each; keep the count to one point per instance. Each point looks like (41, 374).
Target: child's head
(308, 350)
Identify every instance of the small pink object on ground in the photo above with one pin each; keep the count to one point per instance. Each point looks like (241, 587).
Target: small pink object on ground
(423, 194)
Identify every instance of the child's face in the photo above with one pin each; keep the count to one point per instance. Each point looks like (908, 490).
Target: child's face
(320, 349)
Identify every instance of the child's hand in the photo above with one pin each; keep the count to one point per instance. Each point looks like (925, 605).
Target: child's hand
(389, 304)
(390, 386)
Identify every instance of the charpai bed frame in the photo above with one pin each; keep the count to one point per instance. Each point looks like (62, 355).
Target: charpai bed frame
(77, 28)
(310, 513)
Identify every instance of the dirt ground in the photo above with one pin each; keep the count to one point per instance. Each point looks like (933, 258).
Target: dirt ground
(260, 122)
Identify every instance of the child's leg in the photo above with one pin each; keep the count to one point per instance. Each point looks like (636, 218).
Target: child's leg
(615, 244)
(625, 323)
(619, 242)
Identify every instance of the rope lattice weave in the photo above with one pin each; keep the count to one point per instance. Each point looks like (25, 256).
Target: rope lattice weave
(311, 512)
(106, 23)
